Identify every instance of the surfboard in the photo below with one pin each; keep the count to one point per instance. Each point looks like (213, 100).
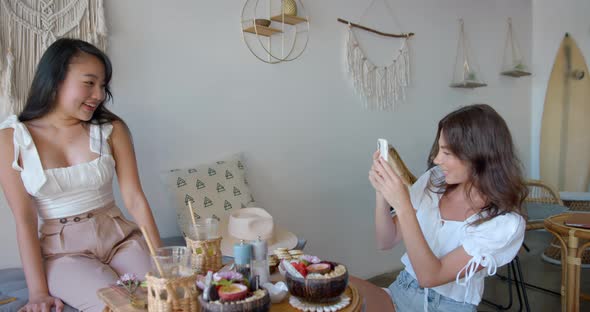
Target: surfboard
(565, 129)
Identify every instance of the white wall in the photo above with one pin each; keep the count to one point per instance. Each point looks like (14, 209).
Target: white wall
(551, 20)
(191, 91)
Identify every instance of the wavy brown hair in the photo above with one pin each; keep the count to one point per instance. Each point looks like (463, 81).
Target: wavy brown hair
(479, 136)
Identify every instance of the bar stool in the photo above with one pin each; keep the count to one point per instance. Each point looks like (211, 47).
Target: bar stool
(573, 243)
(517, 278)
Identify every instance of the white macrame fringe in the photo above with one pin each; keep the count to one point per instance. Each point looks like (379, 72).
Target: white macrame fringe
(7, 87)
(379, 87)
(28, 27)
(101, 28)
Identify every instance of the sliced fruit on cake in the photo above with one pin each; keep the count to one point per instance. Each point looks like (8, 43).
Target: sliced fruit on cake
(233, 292)
(319, 268)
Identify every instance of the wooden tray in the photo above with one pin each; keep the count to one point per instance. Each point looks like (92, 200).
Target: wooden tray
(116, 302)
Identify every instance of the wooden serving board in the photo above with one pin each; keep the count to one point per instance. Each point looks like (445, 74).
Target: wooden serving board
(116, 302)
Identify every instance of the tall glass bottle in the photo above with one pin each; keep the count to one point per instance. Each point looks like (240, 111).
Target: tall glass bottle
(259, 262)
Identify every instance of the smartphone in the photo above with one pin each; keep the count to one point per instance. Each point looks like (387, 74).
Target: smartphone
(383, 147)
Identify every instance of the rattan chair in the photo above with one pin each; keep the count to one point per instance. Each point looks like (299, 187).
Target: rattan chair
(540, 192)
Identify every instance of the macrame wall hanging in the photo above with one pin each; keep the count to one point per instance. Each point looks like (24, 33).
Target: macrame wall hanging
(28, 27)
(380, 87)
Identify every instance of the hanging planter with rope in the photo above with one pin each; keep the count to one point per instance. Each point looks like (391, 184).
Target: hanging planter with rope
(465, 73)
(516, 67)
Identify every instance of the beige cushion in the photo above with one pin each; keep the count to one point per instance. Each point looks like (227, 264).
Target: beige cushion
(214, 190)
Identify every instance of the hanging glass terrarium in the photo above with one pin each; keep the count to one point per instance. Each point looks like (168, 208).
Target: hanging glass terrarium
(465, 73)
(513, 64)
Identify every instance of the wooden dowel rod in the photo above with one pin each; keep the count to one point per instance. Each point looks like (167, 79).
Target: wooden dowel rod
(375, 31)
(152, 251)
(192, 212)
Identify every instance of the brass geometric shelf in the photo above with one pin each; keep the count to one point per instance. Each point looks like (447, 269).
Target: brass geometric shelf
(284, 43)
(289, 19)
(515, 73)
(262, 30)
(468, 84)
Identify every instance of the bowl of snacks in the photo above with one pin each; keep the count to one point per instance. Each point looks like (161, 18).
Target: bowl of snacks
(273, 264)
(262, 22)
(313, 280)
(229, 291)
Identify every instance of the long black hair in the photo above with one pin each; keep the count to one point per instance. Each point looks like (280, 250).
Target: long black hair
(51, 72)
(478, 135)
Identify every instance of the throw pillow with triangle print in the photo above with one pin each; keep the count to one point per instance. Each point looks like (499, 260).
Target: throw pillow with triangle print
(213, 190)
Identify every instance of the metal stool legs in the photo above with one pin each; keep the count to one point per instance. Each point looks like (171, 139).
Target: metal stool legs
(514, 268)
(520, 285)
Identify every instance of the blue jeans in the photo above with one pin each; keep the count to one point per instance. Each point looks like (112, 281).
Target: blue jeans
(408, 296)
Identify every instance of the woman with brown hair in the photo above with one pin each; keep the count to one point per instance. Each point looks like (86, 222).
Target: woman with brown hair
(461, 216)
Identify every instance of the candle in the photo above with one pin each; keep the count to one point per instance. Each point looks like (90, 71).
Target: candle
(242, 253)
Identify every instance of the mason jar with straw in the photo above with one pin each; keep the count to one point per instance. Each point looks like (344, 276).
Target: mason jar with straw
(205, 243)
(173, 286)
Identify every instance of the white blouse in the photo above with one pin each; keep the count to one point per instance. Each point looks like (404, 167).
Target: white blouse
(492, 244)
(64, 192)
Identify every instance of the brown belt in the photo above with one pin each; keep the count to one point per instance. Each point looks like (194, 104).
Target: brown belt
(80, 217)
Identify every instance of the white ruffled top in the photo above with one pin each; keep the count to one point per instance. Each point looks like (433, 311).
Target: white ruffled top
(64, 192)
(492, 244)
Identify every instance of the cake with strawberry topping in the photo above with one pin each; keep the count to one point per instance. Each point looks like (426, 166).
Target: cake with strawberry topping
(314, 280)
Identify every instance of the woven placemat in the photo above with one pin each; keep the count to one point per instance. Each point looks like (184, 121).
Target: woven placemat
(299, 304)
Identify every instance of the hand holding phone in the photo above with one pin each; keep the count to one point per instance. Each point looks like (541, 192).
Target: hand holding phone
(383, 148)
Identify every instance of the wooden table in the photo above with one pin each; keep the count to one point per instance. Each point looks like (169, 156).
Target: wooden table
(373, 297)
(571, 250)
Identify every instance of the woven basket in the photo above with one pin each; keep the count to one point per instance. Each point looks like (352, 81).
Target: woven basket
(172, 294)
(577, 205)
(206, 254)
(552, 253)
